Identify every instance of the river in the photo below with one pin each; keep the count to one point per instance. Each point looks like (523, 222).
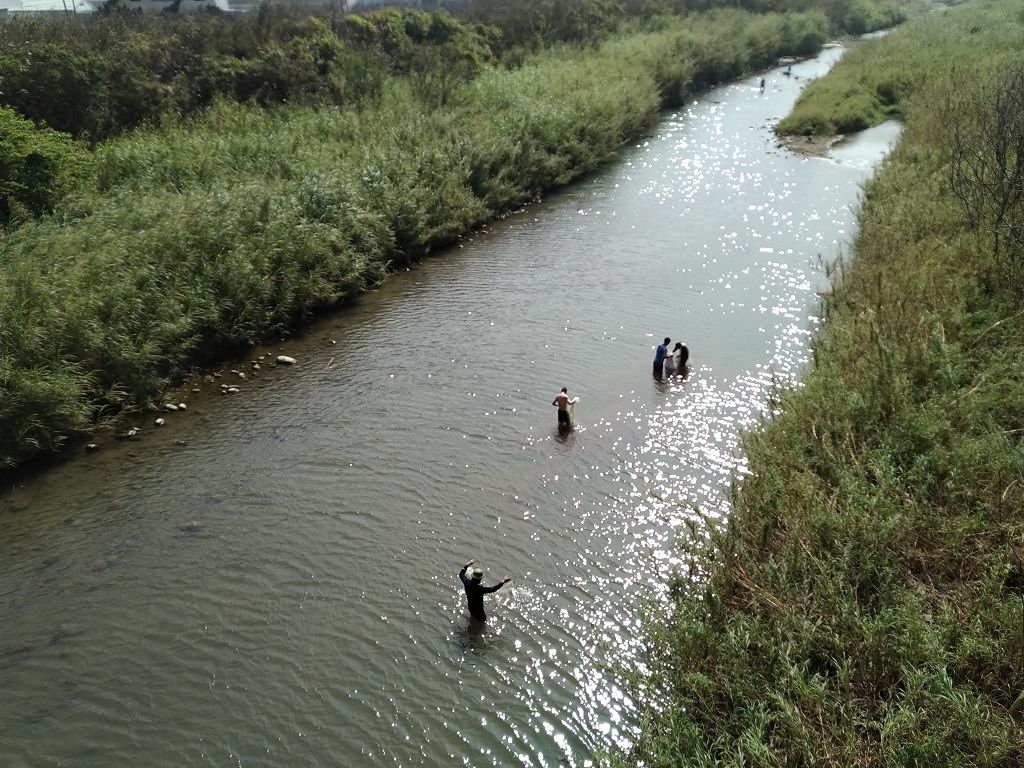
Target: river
(271, 578)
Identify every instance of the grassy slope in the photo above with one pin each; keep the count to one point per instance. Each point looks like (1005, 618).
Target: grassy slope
(866, 605)
(874, 81)
(241, 223)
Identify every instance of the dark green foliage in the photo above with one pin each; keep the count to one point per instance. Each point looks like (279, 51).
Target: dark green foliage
(533, 24)
(220, 230)
(37, 167)
(97, 77)
(860, 16)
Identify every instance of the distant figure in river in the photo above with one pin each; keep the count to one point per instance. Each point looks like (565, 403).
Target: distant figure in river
(680, 354)
(561, 401)
(762, 83)
(789, 70)
(475, 590)
(659, 358)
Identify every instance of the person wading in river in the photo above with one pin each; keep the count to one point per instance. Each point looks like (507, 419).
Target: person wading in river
(475, 590)
(562, 401)
(659, 357)
(680, 354)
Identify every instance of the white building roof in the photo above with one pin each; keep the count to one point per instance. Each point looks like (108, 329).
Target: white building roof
(89, 6)
(46, 6)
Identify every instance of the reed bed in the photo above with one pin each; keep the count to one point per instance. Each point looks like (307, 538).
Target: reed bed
(206, 234)
(874, 80)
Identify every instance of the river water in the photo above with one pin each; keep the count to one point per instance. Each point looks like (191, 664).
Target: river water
(282, 588)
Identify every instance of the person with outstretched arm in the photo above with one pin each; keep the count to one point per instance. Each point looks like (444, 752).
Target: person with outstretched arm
(475, 590)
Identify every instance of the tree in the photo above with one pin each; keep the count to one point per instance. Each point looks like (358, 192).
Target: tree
(987, 157)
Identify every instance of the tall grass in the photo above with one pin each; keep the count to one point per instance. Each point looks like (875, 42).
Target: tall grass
(874, 79)
(216, 231)
(865, 604)
(96, 76)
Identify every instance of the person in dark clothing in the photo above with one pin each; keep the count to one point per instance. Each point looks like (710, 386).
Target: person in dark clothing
(475, 590)
(681, 353)
(659, 357)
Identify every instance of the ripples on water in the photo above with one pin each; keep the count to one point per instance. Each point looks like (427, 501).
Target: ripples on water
(314, 617)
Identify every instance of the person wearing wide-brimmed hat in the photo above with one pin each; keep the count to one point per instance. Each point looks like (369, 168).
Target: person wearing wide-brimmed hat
(475, 590)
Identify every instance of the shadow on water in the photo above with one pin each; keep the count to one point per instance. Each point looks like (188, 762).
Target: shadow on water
(477, 637)
(475, 634)
(663, 384)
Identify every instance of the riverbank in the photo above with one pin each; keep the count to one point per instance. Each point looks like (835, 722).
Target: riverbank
(205, 236)
(813, 146)
(863, 606)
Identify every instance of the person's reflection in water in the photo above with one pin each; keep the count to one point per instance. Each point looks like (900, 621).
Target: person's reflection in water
(476, 632)
(566, 436)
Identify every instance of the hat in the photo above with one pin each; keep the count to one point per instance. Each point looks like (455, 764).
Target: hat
(476, 574)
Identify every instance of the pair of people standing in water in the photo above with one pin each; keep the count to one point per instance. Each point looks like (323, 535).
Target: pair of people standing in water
(670, 362)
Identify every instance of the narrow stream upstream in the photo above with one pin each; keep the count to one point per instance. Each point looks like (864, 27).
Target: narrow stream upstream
(314, 617)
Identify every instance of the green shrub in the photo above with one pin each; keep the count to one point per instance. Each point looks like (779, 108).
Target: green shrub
(37, 167)
(856, 113)
(213, 231)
